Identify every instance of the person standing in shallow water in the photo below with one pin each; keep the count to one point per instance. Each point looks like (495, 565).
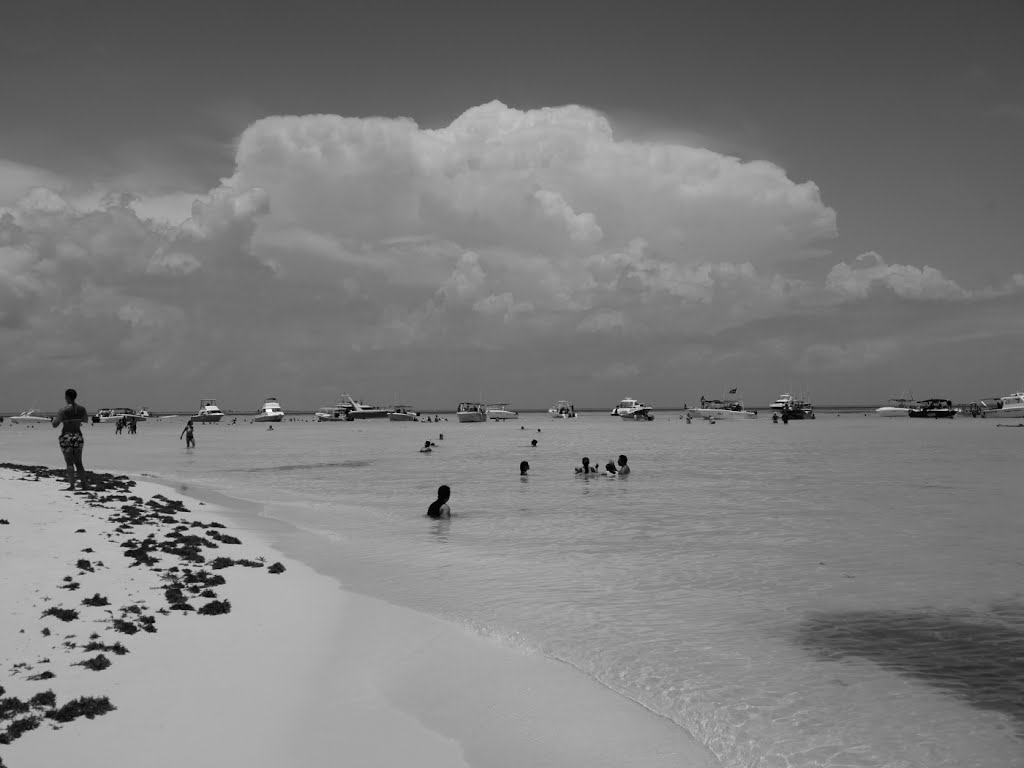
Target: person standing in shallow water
(438, 509)
(524, 467)
(190, 438)
(623, 466)
(72, 443)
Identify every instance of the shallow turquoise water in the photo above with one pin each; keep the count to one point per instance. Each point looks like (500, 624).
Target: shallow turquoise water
(842, 592)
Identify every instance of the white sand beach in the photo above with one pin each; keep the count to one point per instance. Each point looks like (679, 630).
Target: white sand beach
(298, 673)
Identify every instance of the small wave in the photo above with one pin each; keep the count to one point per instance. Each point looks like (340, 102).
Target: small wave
(352, 464)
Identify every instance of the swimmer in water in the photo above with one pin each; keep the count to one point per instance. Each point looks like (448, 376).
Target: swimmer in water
(438, 509)
(524, 467)
(533, 443)
(623, 466)
(426, 447)
(610, 468)
(586, 469)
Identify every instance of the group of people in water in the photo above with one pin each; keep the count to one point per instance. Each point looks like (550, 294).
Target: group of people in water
(610, 467)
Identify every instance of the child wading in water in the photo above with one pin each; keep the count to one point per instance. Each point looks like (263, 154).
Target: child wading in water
(72, 443)
(439, 507)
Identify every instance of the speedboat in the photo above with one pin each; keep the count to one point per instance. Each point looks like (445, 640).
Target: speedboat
(722, 409)
(500, 412)
(783, 400)
(562, 410)
(633, 410)
(898, 406)
(360, 410)
(30, 416)
(271, 411)
(403, 413)
(932, 408)
(1010, 407)
(209, 412)
(337, 412)
(471, 412)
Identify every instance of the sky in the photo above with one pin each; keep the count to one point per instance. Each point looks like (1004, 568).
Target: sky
(433, 202)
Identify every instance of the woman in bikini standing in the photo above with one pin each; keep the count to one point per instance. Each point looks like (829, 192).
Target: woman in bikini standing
(70, 418)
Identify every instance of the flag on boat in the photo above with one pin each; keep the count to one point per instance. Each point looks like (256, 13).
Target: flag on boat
(732, 391)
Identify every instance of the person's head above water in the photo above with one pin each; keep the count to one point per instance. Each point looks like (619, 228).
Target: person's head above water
(610, 467)
(444, 493)
(426, 443)
(524, 467)
(622, 459)
(533, 443)
(586, 461)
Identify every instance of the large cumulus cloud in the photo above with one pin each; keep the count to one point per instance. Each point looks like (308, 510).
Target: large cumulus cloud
(523, 235)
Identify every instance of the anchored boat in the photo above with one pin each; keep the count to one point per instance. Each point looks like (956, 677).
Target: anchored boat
(471, 412)
(209, 412)
(271, 411)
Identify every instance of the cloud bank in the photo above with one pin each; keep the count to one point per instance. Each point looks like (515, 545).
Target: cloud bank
(354, 253)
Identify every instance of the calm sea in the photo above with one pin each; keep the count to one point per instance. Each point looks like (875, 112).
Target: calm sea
(839, 592)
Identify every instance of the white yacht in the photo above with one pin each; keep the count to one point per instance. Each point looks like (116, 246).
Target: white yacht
(30, 416)
(562, 410)
(782, 402)
(721, 409)
(633, 410)
(1012, 408)
(402, 413)
(271, 411)
(471, 412)
(501, 412)
(360, 410)
(209, 412)
(337, 412)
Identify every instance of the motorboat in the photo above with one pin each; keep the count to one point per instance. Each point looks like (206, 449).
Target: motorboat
(30, 416)
(105, 415)
(360, 410)
(337, 412)
(797, 409)
(209, 412)
(144, 414)
(562, 410)
(271, 411)
(898, 406)
(932, 408)
(633, 410)
(722, 409)
(500, 412)
(471, 412)
(1009, 407)
(402, 413)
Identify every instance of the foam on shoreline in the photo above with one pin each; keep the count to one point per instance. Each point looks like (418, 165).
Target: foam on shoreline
(299, 672)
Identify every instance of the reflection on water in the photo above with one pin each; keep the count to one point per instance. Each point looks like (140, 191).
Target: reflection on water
(979, 659)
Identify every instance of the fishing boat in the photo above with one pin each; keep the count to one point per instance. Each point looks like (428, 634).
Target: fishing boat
(359, 410)
(1010, 407)
(469, 412)
(31, 416)
(271, 411)
(898, 406)
(501, 412)
(562, 410)
(633, 410)
(932, 408)
(725, 408)
(402, 413)
(337, 412)
(209, 412)
(781, 402)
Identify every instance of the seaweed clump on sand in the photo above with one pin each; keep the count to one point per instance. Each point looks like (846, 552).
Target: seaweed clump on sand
(215, 608)
(275, 568)
(64, 614)
(96, 601)
(117, 649)
(85, 706)
(45, 675)
(97, 663)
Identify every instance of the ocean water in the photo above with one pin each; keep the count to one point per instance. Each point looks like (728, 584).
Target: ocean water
(841, 592)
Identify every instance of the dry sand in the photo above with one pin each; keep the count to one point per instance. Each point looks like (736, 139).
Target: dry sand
(298, 673)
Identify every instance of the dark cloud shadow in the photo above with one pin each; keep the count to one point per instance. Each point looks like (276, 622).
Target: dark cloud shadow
(976, 657)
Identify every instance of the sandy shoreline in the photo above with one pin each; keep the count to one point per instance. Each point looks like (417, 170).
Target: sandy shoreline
(298, 672)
